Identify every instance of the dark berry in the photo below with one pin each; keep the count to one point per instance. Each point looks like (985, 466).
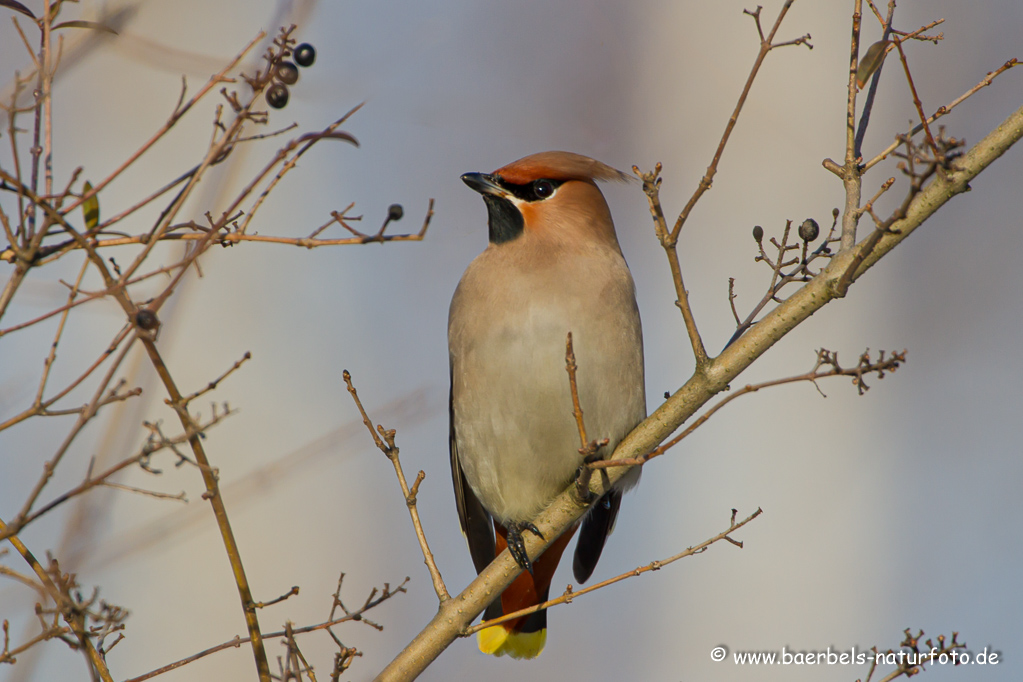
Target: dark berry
(277, 95)
(146, 319)
(395, 212)
(758, 233)
(305, 54)
(286, 72)
(809, 230)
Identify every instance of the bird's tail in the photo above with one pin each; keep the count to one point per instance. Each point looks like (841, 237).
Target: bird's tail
(526, 636)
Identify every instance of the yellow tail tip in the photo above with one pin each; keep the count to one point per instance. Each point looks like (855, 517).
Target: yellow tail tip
(497, 641)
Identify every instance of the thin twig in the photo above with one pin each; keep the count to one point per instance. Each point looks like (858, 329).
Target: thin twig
(384, 440)
(577, 410)
(238, 641)
(303, 143)
(71, 616)
(651, 183)
(943, 110)
(916, 99)
(148, 450)
(731, 301)
(147, 200)
(287, 595)
(651, 188)
(179, 111)
(765, 47)
(779, 277)
(571, 594)
(10, 655)
(181, 497)
(825, 358)
(48, 363)
(21, 578)
(216, 382)
(587, 448)
(43, 408)
(869, 206)
(868, 104)
(228, 238)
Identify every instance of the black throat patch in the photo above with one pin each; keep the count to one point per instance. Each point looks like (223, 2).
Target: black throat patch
(504, 219)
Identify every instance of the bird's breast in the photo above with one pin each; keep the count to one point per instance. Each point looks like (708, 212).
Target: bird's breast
(512, 408)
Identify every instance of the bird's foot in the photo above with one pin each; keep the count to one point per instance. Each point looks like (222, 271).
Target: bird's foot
(517, 546)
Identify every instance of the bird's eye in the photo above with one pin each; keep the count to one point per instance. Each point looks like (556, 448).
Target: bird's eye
(543, 188)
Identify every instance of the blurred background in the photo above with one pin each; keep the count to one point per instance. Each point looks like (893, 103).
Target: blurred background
(897, 509)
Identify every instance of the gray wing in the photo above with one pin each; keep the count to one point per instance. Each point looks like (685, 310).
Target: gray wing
(476, 522)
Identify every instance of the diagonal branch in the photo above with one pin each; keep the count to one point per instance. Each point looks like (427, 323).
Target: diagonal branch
(456, 615)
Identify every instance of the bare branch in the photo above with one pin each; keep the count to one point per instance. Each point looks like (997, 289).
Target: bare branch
(456, 615)
(825, 359)
(571, 594)
(766, 45)
(384, 440)
(909, 659)
(943, 110)
(216, 382)
(179, 111)
(71, 614)
(850, 172)
(356, 615)
(588, 449)
(651, 182)
(651, 187)
(287, 595)
(154, 444)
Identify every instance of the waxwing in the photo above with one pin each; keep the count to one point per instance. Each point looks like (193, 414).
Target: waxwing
(553, 266)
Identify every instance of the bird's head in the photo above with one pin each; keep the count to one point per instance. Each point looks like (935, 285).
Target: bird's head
(550, 195)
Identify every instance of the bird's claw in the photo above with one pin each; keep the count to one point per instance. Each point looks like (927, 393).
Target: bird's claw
(517, 546)
(584, 473)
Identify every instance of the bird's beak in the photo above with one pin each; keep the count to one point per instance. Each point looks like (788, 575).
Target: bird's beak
(483, 183)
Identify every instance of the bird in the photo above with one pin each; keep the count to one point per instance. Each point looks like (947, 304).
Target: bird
(553, 265)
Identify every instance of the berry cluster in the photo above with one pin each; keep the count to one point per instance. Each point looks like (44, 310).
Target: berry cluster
(286, 73)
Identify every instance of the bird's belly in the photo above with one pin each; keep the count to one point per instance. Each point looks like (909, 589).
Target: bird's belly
(518, 441)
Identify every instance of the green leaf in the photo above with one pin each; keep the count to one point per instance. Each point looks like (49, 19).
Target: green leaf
(77, 23)
(17, 7)
(90, 207)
